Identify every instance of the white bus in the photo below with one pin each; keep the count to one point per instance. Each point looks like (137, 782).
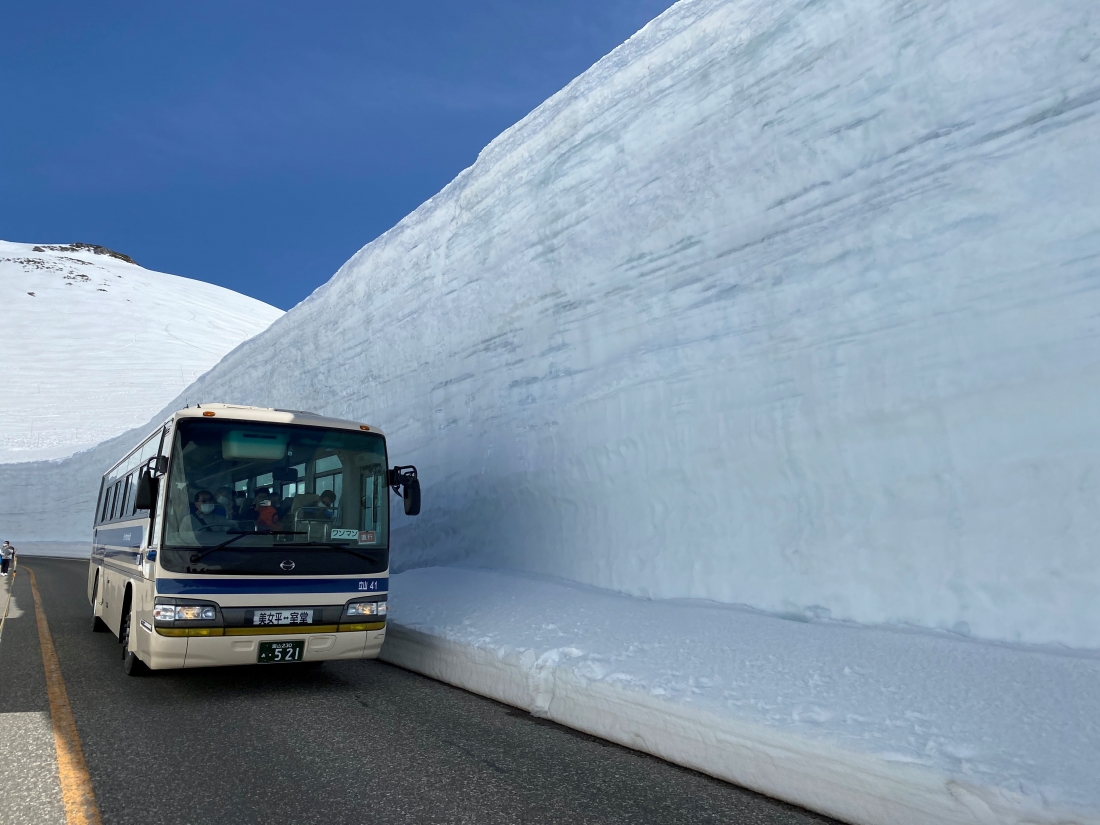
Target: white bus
(235, 535)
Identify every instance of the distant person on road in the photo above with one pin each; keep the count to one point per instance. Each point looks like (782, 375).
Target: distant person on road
(7, 553)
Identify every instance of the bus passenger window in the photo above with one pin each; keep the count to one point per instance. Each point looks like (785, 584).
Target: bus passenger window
(116, 509)
(106, 514)
(327, 464)
(131, 498)
(298, 487)
(124, 500)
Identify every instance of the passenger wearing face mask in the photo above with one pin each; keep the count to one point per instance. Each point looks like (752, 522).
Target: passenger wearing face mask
(326, 504)
(224, 497)
(204, 516)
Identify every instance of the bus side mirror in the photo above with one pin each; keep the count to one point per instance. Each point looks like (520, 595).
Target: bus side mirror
(145, 498)
(412, 497)
(404, 481)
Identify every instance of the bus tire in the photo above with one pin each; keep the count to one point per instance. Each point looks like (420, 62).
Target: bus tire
(131, 664)
(98, 625)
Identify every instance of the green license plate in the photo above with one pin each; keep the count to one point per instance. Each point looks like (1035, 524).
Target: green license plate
(271, 652)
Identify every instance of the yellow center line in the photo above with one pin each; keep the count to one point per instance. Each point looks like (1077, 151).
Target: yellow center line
(76, 784)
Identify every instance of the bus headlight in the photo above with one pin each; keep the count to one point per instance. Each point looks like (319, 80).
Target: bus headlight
(368, 609)
(183, 612)
(194, 612)
(164, 612)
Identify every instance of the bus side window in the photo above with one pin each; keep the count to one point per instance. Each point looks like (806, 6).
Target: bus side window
(105, 514)
(130, 484)
(100, 502)
(114, 503)
(124, 487)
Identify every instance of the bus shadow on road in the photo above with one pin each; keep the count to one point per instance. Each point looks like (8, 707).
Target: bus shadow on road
(243, 680)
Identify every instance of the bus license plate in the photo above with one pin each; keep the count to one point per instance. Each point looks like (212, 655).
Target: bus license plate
(273, 617)
(281, 651)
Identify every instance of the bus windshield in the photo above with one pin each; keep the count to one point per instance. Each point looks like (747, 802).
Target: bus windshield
(263, 498)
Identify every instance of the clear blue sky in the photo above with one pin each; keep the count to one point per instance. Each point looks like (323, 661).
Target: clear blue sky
(257, 145)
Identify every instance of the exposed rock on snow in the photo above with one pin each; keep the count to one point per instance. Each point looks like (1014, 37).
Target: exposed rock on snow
(85, 247)
(94, 344)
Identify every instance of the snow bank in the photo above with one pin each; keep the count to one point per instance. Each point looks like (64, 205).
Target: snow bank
(874, 726)
(791, 305)
(92, 345)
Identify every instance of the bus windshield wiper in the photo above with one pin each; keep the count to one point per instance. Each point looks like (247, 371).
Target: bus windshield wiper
(238, 534)
(330, 544)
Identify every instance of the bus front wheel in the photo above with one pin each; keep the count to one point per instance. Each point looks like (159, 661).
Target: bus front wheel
(131, 664)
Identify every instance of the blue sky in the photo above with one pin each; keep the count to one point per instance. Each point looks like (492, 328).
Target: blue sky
(257, 145)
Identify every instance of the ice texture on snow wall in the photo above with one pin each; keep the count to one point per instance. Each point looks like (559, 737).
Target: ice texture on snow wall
(787, 304)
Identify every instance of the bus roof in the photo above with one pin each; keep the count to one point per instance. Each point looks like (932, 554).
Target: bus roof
(240, 412)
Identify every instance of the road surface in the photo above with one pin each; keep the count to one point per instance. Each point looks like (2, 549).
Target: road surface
(349, 742)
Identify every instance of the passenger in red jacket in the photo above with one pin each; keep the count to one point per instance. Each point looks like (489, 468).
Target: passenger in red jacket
(267, 513)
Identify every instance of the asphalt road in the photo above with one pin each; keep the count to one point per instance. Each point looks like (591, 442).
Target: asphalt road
(348, 742)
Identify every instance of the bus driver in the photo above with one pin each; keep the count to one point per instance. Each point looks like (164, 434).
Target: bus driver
(205, 516)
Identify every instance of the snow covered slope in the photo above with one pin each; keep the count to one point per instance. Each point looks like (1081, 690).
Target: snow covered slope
(94, 344)
(787, 304)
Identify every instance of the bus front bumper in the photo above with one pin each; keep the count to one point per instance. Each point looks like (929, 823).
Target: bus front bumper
(164, 652)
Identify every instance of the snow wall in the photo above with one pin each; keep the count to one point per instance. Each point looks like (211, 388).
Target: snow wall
(788, 304)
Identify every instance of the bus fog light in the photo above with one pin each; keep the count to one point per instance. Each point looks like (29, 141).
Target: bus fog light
(363, 609)
(164, 612)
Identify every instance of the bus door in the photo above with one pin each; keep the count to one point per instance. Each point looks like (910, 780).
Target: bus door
(372, 488)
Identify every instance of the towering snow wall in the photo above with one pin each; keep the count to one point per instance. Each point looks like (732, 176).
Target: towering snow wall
(788, 304)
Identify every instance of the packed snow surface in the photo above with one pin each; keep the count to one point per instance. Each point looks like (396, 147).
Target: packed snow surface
(93, 345)
(1001, 734)
(785, 304)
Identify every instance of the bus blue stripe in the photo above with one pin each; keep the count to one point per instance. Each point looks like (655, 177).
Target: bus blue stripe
(194, 587)
(120, 536)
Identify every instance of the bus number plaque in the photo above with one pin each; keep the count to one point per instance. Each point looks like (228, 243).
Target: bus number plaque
(272, 652)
